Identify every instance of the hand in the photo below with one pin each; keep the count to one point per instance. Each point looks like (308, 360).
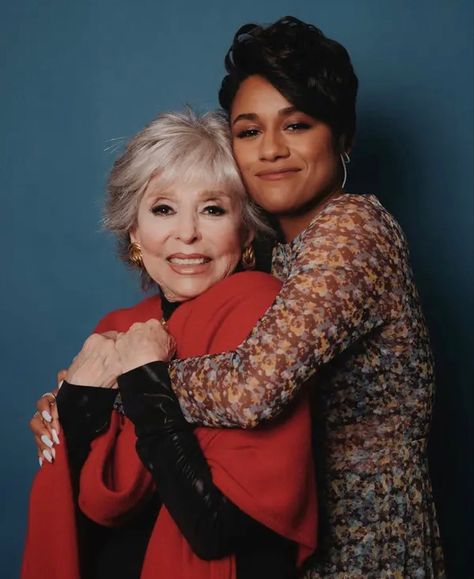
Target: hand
(45, 423)
(97, 364)
(144, 343)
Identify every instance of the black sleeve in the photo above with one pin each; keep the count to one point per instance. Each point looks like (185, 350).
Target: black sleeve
(84, 413)
(211, 523)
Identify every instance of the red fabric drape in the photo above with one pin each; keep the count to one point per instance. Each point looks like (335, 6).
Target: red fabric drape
(267, 472)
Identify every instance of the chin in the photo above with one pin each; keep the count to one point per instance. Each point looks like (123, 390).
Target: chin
(186, 293)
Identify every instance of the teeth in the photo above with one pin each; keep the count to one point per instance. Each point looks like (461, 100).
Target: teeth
(188, 260)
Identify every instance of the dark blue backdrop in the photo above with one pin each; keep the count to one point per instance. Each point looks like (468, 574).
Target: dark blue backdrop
(78, 76)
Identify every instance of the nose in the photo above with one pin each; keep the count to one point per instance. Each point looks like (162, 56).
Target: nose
(273, 146)
(187, 228)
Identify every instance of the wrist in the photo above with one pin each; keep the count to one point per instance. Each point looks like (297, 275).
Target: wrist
(138, 362)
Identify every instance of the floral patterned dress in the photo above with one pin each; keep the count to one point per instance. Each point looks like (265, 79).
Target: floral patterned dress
(348, 315)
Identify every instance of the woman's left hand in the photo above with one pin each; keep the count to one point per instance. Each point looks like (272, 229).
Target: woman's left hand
(144, 343)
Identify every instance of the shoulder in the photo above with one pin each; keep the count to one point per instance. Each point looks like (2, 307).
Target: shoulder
(120, 320)
(222, 317)
(355, 226)
(243, 288)
(362, 214)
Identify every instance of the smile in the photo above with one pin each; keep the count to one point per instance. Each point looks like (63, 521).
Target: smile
(188, 260)
(192, 264)
(277, 174)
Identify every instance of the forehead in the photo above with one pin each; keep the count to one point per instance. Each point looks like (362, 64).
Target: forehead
(203, 187)
(256, 94)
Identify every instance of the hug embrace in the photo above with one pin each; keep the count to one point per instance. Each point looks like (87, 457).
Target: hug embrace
(237, 424)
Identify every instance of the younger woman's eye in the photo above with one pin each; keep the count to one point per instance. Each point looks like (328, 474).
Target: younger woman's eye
(298, 126)
(162, 209)
(214, 210)
(246, 133)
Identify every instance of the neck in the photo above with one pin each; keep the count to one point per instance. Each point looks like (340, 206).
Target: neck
(293, 225)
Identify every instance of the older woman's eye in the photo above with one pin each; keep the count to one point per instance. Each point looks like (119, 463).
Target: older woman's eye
(162, 209)
(246, 133)
(214, 210)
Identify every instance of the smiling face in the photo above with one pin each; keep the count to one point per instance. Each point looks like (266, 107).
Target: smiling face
(190, 236)
(289, 161)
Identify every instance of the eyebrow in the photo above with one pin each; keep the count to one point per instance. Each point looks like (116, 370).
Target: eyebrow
(214, 195)
(254, 117)
(206, 195)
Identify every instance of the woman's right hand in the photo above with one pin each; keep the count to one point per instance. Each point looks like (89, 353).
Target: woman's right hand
(45, 423)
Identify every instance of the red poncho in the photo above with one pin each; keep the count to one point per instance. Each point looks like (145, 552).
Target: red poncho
(267, 472)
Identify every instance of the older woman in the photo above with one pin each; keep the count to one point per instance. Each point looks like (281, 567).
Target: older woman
(218, 503)
(348, 311)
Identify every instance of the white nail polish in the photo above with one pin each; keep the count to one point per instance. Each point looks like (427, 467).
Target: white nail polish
(46, 440)
(46, 415)
(53, 452)
(47, 455)
(55, 436)
(40, 460)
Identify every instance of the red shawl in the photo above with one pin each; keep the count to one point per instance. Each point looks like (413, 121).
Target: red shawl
(267, 472)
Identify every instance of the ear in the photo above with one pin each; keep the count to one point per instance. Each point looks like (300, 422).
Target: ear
(344, 145)
(133, 234)
(247, 237)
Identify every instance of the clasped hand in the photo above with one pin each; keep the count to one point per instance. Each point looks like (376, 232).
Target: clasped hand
(104, 357)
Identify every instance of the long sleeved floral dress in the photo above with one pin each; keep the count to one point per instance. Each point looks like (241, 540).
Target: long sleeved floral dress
(349, 314)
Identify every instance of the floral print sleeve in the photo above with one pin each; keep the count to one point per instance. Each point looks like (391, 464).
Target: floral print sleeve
(340, 279)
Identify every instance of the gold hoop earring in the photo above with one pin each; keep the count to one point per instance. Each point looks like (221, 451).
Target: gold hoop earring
(248, 258)
(135, 254)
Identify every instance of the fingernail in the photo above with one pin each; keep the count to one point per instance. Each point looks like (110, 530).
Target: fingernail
(45, 438)
(40, 460)
(55, 436)
(46, 415)
(47, 455)
(53, 452)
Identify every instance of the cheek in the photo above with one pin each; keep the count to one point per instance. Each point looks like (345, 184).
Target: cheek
(229, 248)
(243, 155)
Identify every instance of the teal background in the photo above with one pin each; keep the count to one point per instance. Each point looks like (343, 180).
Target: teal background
(76, 77)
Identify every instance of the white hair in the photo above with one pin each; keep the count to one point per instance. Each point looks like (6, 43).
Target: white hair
(177, 146)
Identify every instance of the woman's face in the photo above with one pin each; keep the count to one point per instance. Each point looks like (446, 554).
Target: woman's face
(190, 236)
(289, 161)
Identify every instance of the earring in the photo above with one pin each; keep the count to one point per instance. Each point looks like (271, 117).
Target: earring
(248, 258)
(135, 254)
(345, 160)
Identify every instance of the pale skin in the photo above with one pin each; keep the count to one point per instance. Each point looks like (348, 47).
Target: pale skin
(191, 238)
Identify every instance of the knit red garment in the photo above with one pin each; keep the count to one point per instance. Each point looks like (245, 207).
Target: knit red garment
(267, 472)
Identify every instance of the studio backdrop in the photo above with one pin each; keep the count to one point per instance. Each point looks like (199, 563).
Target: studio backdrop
(77, 78)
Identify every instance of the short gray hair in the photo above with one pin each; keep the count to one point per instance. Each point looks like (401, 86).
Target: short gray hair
(177, 146)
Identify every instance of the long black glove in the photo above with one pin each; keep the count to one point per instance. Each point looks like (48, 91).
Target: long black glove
(84, 413)
(210, 522)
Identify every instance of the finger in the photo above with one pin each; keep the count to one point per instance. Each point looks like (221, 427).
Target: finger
(48, 412)
(111, 334)
(39, 453)
(55, 426)
(42, 433)
(44, 451)
(60, 376)
(53, 411)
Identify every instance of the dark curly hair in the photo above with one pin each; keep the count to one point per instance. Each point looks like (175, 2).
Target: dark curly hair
(311, 71)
